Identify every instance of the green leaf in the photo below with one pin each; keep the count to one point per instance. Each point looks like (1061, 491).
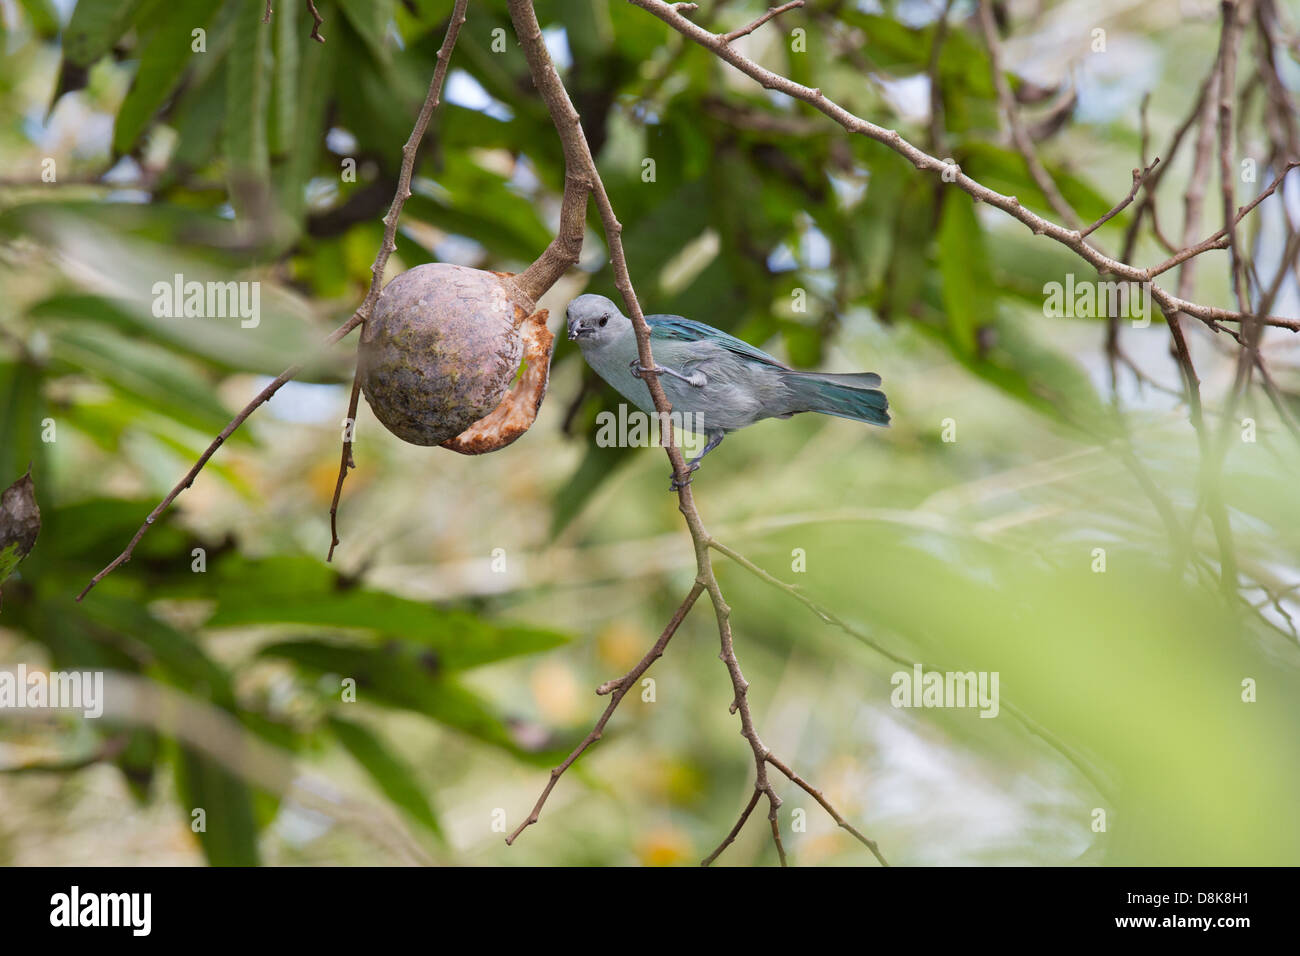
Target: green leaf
(405, 675)
(393, 775)
(575, 494)
(229, 837)
(315, 70)
(181, 660)
(284, 92)
(163, 59)
(303, 591)
(43, 15)
(23, 414)
(146, 372)
(370, 18)
(95, 26)
(221, 343)
(95, 530)
(909, 254)
(247, 99)
(968, 291)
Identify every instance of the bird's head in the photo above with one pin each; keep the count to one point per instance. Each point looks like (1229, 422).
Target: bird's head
(595, 320)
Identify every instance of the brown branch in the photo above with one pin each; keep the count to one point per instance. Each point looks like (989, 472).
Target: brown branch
(1139, 176)
(358, 317)
(317, 20)
(346, 461)
(922, 160)
(386, 248)
(773, 12)
(730, 838)
(825, 804)
(1220, 239)
(618, 688)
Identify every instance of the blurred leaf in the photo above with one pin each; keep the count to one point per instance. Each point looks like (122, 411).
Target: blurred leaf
(597, 464)
(198, 121)
(316, 65)
(220, 343)
(43, 15)
(284, 90)
(370, 18)
(95, 530)
(968, 287)
(22, 419)
(247, 100)
(180, 659)
(303, 591)
(95, 26)
(403, 674)
(229, 837)
(148, 373)
(163, 58)
(392, 774)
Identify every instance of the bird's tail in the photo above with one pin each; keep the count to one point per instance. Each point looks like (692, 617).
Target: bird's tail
(857, 396)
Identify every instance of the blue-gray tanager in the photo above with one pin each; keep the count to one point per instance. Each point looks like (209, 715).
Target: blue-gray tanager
(722, 382)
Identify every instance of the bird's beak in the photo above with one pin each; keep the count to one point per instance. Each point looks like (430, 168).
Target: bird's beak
(576, 331)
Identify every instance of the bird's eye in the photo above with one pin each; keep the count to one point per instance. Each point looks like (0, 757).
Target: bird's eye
(604, 320)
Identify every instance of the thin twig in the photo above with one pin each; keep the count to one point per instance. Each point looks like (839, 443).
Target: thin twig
(1220, 239)
(773, 12)
(825, 804)
(730, 838)
(346, 461)
(1139, 176)
(617, 688)
(317, 20)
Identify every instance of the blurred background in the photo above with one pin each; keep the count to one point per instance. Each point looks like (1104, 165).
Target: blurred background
(1037, 509)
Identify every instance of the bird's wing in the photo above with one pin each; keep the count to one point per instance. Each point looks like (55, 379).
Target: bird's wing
(677, 329)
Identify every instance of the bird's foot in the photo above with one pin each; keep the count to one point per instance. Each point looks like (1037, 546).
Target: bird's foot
(677, 485)
(638, 370)
(696, 378)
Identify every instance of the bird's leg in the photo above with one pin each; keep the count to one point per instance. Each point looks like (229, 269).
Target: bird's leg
(696, 378)
(694, 464)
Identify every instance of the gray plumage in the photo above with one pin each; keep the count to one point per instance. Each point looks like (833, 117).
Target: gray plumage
(726, 382)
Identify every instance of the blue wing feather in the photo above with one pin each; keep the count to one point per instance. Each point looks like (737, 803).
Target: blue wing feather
(686, 330)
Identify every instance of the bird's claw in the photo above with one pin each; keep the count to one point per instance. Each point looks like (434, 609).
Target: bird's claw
(696, 378)
(677, 485)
